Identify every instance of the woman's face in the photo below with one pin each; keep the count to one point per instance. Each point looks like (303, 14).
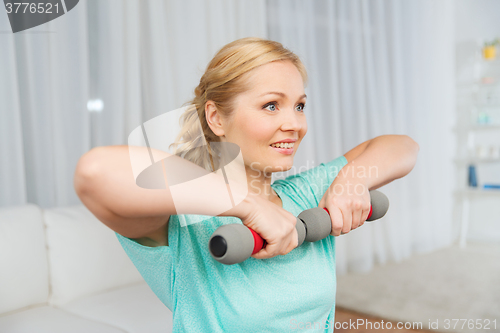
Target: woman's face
(270, 112)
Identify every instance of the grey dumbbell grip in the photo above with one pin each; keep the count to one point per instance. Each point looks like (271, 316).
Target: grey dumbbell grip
(380, 205)
(317, 222)
(239, 242)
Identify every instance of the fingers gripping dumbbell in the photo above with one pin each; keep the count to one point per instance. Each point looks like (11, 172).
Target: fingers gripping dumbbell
(234, 243)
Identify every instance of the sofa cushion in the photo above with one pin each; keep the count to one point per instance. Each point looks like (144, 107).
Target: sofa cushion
(135, 309)
(85, 256)
(24, 272)
(46, 319)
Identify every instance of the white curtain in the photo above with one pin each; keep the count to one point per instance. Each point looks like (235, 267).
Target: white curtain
(379, 67)
(43, 121)
(375, 67)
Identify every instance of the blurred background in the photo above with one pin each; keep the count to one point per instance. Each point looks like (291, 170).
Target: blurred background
(429, 69)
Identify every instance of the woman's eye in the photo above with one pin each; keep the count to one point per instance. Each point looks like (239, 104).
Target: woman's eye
(271, 104)
(302, 106)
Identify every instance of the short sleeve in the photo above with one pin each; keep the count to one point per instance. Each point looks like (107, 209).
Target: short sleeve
(313, 183)
(154, 264)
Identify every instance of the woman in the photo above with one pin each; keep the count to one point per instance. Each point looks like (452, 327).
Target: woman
(252, 95)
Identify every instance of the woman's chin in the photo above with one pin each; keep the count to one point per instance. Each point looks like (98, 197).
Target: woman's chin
(282, 167)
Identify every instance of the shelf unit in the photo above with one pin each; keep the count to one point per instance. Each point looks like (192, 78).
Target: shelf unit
(478, 106)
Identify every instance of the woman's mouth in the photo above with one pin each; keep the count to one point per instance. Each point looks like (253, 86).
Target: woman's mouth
(283, 148)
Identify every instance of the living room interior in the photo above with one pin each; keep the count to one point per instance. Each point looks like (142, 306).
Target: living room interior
(426, 69)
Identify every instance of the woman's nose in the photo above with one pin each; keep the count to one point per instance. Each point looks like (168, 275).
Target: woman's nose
(292, 121)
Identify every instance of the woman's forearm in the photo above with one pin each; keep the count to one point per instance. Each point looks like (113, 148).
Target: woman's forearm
(385, 158)
(106, 176)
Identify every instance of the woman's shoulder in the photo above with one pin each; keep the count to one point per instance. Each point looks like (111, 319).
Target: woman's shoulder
(330, 168)
(310, 185)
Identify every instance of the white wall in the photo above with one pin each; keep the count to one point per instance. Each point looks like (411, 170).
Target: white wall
(477, 19)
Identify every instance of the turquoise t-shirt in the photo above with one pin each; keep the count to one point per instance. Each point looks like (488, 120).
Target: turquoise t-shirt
(293, 292)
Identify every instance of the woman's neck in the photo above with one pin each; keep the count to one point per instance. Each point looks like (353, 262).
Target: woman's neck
(259, 183)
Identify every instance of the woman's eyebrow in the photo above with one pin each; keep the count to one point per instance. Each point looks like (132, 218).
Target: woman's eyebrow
(281, 94)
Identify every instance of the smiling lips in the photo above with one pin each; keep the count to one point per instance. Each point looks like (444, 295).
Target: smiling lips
(283, 148)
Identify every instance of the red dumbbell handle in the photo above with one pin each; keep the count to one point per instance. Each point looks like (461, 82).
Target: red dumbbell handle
(260, 243)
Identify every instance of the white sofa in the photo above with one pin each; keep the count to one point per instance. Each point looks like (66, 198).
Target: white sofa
(63, 271)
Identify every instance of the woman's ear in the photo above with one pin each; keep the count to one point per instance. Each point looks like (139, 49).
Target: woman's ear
(214, 119)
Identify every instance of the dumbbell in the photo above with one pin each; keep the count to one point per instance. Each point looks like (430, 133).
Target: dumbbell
(234, 243)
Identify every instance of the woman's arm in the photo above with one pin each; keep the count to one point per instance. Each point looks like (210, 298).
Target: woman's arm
(381, 160)
(371, 165)
(105, 183)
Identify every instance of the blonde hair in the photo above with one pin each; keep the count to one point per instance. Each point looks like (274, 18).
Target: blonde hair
(222, 81)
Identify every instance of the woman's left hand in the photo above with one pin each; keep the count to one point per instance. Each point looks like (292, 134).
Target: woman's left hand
(348, 202)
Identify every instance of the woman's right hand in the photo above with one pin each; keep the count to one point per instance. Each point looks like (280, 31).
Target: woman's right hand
(274, 224)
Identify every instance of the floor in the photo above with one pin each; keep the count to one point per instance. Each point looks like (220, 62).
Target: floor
(353, 322)
(443, 289)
